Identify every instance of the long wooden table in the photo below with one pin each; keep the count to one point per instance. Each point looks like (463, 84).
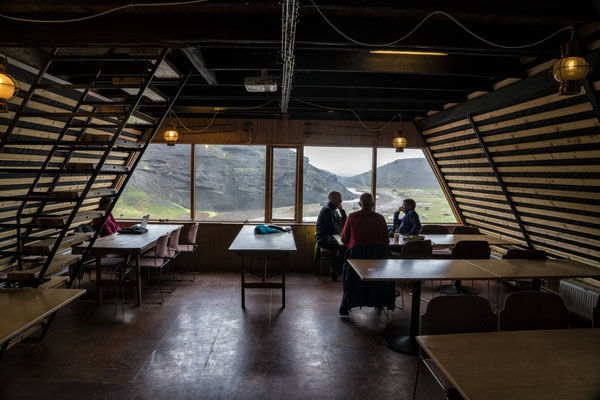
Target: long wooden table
(545, 365)
(127, 245)
(449, 240)
(420, 270)
(24, 309)
(272, 245)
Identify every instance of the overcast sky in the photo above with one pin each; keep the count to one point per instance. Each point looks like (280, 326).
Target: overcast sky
(353, 161)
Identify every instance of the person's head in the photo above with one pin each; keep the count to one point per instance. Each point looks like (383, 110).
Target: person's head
(335, 198)
(408, 204)
(366, 201)
(105, 202)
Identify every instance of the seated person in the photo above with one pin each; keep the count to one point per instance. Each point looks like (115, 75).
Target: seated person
(365, 226)
(111, 225)
(330, 221)
(409, 224)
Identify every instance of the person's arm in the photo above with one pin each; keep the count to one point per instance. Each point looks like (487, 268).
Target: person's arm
(325, 225)
(385, 237)
(397, 220)
(415, 224)
(346, 231)
(344, 216)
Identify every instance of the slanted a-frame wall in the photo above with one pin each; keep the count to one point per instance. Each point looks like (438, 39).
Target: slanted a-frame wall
(524, 162)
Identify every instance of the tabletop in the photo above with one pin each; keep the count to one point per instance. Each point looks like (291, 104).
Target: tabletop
(132, 243)
(551, 364)
(247, 241)
(514, 269)
(451, 240)
(396, 269)
(23, 308)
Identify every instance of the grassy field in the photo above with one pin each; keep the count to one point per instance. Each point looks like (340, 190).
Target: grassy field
(135, 203)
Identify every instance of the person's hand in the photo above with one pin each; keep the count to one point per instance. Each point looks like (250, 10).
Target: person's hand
(340, 207)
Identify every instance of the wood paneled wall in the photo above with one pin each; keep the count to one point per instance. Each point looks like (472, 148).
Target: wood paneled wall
(20, 157)
(545, 149)
(293, 132)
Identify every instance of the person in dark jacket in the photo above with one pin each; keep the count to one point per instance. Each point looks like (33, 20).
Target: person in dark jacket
(410, 223)
(330, 221)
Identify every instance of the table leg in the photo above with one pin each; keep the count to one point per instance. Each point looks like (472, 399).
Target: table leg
(403, 343)
(264, 277)
(243, 283)
(99, 278)
(536, 284)
(138, 280)
(283, 282)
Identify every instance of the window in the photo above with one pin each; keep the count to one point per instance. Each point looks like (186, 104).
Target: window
(284, 183)
(344, 169)
(230, 183)
(409, 175)
(159, 186)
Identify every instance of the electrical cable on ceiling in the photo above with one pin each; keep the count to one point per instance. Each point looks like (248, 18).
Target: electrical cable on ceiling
(131, 5)
(353, 112)
(567, 28)
(215, 116)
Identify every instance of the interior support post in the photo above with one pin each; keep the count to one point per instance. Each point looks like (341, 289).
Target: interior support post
(500, 181)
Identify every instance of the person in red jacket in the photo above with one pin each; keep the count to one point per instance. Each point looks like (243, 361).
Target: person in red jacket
(365, 226)
(111, 225)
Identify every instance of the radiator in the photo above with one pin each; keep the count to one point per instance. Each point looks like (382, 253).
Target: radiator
(578, 298)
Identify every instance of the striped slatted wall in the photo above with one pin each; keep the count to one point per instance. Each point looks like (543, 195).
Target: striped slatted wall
(546, 150)
(21, 158)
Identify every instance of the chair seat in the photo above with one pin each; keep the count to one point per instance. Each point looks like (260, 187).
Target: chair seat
(150, 262)
(172, 253)
(185, 247)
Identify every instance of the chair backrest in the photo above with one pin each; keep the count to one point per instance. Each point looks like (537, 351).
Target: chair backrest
(533, 310)
(466, 230)
(473, 249)
(192, 233)
(365, 251)
(417, 249)
(434, 230)
(458, 314)
(174, 239)
(161, 246)
(525, 254)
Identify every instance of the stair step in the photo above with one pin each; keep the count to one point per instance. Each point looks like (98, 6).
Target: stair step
(75, 194)
(57, 221)
(43, 247)
(59, 262)
(91, 167)
(105, 139)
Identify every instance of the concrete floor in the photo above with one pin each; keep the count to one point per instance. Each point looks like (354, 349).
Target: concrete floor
(200, 344)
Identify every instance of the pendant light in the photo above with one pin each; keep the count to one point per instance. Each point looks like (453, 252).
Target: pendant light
(171, 134)
(571, 69)
(400, 141)
(8, 86)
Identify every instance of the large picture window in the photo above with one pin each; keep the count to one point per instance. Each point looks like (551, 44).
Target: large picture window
(409, 175)
(159, 186)
(284, 183)
(230, 183)
(344, 169)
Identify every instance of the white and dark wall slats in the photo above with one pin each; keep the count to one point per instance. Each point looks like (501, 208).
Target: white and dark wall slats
(524, 162)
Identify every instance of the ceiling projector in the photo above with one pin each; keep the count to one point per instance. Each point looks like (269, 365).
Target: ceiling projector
(260, 84)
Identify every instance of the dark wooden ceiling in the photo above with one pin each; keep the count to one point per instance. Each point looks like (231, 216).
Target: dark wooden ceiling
(238, 39)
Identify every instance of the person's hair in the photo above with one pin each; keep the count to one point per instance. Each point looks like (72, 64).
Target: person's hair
(411, 203)
(333, 193)
(366, 200)
(104, 201)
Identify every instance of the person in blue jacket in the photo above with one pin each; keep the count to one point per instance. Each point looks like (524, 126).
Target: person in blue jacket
(409, 224)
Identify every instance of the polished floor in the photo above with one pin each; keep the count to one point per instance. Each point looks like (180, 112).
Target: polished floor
(200, 344)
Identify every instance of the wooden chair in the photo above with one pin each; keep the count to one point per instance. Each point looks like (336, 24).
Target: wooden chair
(528, 254)
(533, 310)
(448, 315)
(465, 230)
(434, 230)
(320, 255)
(467, 249)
